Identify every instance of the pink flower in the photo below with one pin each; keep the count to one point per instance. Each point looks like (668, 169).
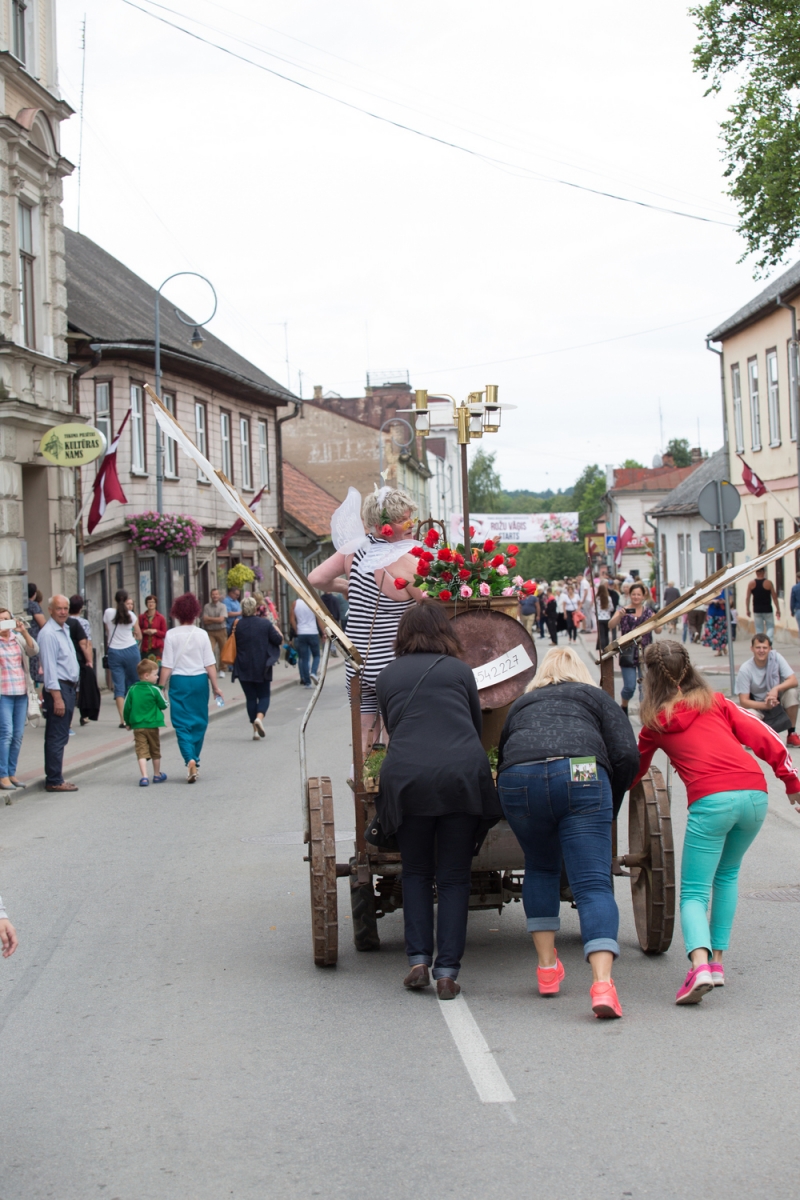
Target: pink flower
(508, 591)
(485, 590)
(502, 569)
(517, 581)
(465, 591)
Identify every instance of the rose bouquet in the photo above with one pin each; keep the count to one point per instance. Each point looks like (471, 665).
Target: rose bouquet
(164, 533)
(445, 573)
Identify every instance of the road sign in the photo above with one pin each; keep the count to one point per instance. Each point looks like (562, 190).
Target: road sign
(611, 543)
(72, 445)
(708, 503)
(711, 541)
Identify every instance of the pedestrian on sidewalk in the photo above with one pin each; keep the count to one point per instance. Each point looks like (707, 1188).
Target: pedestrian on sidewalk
(760, 594)
(528, 607)
(767, 685)
(34, 610)
(144, 714)
(671, 593)
(436, 790)
(232, 607)
(258, 648)
(703, 735)
(15, 644)
(567, 756)
(215, 623)
(154, 628)
(794, 601)
(81, 633)
(734, 623)
(631, 656)
(188, 666)
(551, 615)
(123, 636)
(61, 674)
(606, 607)
(8, 934)
(715, 633)
(307, 629)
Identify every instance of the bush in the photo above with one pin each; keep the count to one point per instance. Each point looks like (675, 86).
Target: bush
(239, 575)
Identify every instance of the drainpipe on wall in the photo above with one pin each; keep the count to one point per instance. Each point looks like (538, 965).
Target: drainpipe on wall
(79, 548)
(279, 585)
(725, 439)
(794, 384)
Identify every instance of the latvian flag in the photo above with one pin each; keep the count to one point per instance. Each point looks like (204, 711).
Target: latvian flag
(624, 536)
(751, 481)
(107, 486)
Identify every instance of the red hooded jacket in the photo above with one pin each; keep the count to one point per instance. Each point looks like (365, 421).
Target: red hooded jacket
(706, 749)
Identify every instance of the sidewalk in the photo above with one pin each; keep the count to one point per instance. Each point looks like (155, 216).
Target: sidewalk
(102, 740)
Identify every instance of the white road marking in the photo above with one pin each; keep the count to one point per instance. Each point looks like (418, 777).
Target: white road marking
(490, 1082)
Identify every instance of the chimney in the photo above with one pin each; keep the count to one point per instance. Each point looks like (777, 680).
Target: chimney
(317, 391)
(667, 460)
(697, 455)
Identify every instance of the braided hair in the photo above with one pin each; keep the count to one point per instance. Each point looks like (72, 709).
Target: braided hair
(670, 679)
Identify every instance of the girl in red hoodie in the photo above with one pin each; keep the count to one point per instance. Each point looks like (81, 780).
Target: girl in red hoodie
(702, 734)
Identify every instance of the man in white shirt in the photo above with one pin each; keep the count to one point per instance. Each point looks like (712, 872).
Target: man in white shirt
(306, 629)
(767, 685)
(61, 671)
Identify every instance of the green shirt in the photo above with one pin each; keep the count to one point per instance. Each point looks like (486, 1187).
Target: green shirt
(144, 706)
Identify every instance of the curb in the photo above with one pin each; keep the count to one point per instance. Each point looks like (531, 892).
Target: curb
(35, 786)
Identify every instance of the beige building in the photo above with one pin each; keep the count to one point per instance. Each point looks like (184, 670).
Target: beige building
(37, 507)
(759, 382)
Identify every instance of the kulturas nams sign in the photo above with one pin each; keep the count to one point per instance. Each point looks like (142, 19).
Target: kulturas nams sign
(73, 445)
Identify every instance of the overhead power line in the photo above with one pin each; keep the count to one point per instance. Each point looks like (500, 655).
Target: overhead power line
(431, 137)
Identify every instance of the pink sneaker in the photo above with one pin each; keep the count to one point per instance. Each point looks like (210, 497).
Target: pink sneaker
(605, 1001)
(695, 985)
(717, 974)
(549, 978)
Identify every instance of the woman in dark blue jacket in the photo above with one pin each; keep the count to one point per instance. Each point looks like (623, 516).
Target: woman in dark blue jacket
(258, 648)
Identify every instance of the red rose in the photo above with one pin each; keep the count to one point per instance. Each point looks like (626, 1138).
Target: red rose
(431, 537)
(464, 573)
(497, 561)
(472, 531)
(445, 595)
(459, 558)
(444, 555)
(529, 586)
(400, 583)
(447, 576)
(386, 531)
(416, 551)
(488, 545)
(512, 562)
(423, 569)
(426, 556)
(512, 550)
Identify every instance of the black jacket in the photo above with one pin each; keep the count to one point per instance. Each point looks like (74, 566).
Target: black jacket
(572, 720)
(258, 648)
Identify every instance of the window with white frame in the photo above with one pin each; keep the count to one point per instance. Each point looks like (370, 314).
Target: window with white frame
(225, 440)
(138, 459)
(681, 562)
(689, 567)
(18, 31)
(169, 444)
(755, 411)
(263, 452)
(201, 435)
(773, 398)
(736, 392)
(793, 371)
(27, 292)
(102, 408)
(247, 465)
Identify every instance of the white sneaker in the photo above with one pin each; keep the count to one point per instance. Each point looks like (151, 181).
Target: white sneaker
(256, 738)
(221, 674)
(259, 727)
(314, 678)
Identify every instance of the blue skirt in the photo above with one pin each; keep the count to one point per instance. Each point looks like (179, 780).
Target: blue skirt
(188, 708)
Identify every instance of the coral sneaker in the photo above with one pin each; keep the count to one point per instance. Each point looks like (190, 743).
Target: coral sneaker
(717, 974)
(605, 1001)
(793, 740)
(695, 985)
(549, 978)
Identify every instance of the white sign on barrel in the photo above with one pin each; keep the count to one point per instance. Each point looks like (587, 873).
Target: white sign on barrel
(513, 662)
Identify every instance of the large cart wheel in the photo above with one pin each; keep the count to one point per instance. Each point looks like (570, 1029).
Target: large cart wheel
(322, 864)
(365, 916)
(651, 857)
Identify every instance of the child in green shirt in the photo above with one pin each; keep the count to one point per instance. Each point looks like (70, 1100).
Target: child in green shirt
(144, 713)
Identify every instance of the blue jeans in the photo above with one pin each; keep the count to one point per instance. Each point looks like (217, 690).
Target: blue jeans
(13, 715)
(123, 665)
(553, 817)
(56, 731)
(765, 623)
(630, 677)
(440, 848)
(719, 830)
(307, 647)
(257, 697)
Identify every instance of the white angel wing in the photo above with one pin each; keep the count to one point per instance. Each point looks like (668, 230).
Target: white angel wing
(347, 528)
(382, 554)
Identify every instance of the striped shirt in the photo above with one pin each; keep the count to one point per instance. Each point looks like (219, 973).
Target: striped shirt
(12, 668)
(372, 620)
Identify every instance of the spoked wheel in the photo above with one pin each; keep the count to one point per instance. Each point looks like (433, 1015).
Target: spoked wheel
(365, 917)
(651, 857)
(322, 864)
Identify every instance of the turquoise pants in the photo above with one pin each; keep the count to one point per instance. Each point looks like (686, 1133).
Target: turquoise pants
(718, 832)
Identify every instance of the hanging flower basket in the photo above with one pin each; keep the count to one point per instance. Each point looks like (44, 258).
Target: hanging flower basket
(164, 533)
(239, 575)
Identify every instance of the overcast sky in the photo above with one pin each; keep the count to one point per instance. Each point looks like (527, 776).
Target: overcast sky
(384, 250)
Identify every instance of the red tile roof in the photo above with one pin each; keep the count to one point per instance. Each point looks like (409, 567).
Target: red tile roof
(306, 502)
(651, 479)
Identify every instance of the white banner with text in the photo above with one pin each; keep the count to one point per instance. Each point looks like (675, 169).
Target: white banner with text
(517, 527)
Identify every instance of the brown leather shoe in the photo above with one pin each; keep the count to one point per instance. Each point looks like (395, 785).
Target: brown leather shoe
(447, 988)
(417, 977)
(60, 787)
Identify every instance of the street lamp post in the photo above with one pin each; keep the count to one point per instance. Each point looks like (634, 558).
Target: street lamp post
(196, 341)
(397, 445)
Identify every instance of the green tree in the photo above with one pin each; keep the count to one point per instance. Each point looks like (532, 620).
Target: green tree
(757, 43)
(632, 464)
(679, 449)
(485, 488)
(588, 497)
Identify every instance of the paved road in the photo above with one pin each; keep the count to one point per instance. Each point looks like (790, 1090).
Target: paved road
(165, 1034)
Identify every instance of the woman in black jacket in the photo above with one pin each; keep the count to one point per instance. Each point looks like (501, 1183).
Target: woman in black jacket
(567, 756)
(436, 789)
(258, 648)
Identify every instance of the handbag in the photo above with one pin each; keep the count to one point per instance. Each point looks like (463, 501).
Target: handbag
(626, 655)
(105, 656)
(228, 655)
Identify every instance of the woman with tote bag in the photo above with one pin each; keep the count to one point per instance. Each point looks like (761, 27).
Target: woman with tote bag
(188, 665)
